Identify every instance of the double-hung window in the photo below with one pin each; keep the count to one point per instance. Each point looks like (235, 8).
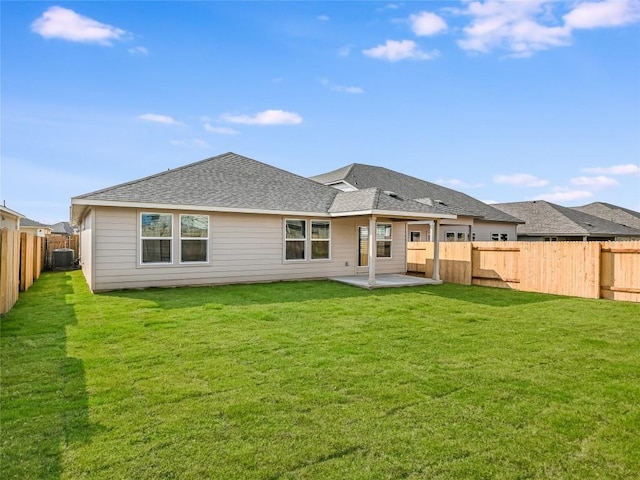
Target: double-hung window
(194, 238)
(295, 239)
(155, 237)
(320, 240)
(383, 240)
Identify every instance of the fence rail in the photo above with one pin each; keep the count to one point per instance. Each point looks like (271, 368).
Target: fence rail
(581, 269)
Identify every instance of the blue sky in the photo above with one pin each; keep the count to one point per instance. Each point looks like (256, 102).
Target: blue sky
(503, 100)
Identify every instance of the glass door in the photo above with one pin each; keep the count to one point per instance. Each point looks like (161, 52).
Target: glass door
(363, 246)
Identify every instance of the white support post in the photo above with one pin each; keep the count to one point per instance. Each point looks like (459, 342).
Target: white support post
(436, 250)
(372, 251)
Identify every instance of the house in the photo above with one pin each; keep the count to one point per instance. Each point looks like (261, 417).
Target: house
(231, 219)
(475, 220)
(34, 227)
(613, 213)
(63, 228)
(545, 221)
(9, 219)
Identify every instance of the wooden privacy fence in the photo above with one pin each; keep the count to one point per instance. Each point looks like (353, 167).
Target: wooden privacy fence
(55, 241)
(579, 269)
(21, 262)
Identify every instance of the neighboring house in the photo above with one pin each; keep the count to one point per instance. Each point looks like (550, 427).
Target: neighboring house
(34, 228)
(613, 213)
(231, 219)
(545, 221)
(63, 228)
(9, 219)
(476, 221)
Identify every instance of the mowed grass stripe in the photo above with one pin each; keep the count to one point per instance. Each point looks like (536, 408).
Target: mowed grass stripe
(317, 380)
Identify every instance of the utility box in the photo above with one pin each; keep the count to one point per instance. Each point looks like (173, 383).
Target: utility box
(62, 258)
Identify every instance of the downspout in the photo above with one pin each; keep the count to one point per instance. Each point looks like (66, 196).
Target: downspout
(436, 250)
(372, 250)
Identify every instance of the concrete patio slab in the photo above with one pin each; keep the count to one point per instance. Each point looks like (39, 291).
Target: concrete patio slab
(386, 281)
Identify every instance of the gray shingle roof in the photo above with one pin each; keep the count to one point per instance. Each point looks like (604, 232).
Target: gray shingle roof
(613, 213)
(27, 222)
(235, 182)
(368, 176)
(227, 181)
(548, 219)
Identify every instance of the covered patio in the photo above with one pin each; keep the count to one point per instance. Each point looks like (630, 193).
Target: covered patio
(386, 281)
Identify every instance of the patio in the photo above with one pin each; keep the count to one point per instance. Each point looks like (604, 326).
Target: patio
(386, 281)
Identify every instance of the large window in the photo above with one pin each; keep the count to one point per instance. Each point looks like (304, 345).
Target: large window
(295, 239)
(383, 240)
(194, 238)
(320, 240)
(155, 236)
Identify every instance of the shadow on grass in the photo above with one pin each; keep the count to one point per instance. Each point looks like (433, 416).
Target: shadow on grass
(44, 397)
(491, 296)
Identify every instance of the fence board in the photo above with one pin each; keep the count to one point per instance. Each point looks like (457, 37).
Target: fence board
(582, 269)
(9, 269)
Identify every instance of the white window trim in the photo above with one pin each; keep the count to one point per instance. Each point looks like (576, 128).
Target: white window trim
(499, 235)
(311, 240)
(206, 239)
(449, 233)
(411, 235)
(141, 238)
(305, 240)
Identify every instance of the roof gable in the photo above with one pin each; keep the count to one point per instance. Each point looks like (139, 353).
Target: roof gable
(613, 213)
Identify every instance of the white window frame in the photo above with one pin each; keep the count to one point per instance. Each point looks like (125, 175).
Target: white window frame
(464, 237)
(504, 237)
(498, 237)
(303, 240)
(411, 236)
(447, 234)
(142, 239)
(204, 239)
(327, 240)
(390, 239)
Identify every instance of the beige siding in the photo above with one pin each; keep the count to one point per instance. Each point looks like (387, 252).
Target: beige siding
(242, 248)
(483, 230)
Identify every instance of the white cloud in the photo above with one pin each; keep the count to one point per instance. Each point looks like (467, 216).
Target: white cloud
(268, 117)
(427, 23)
(220, 130)
(626, 169)
(609, 13)
(513, 26)
(564, 195)
(59, 22)
(520, 180)
(594, 182)
(454, 182)
(139, 50)
(394, 51)
(340, 88)
(525, 27)
(153, 117)
(323, 18)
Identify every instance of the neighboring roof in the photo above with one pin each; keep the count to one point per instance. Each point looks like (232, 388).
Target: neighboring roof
(227, 182)
(613, 213)
(27, 222)
(4, 209)
(548, 219)
(375, 199)
(62, 228)
(445, 199)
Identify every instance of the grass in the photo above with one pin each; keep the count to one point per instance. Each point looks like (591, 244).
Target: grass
(317, 380)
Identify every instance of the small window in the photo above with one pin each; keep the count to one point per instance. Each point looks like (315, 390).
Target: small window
(415, 236)
(450, 236)
(383, 240)
(155, 237)
(473, 237)
(295, 239)
(194, 238)
(320, 240)
(495, 237)
(461, 237)
(504, 237)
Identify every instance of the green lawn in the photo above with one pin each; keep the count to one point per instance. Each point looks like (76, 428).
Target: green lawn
(317, 380)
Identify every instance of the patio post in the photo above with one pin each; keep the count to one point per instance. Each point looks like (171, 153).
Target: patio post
(372, 250)
(436, 250)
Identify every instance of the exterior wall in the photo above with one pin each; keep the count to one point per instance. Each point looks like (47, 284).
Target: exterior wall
(9, 220)
(243, 248)
(483, 230)
(86, 248)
